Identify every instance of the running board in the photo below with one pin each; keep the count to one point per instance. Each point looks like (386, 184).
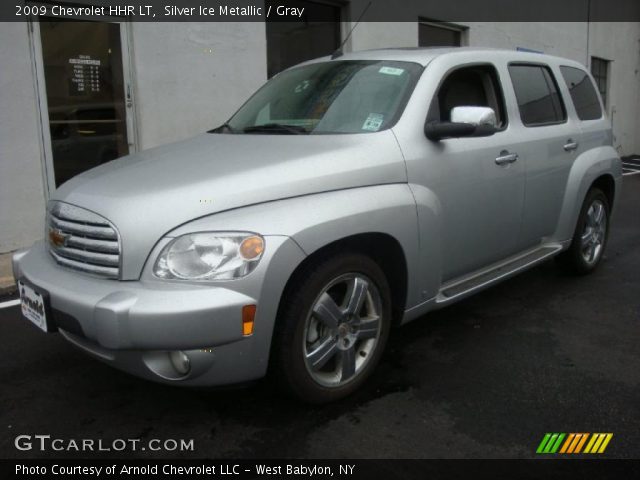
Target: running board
(462, 287)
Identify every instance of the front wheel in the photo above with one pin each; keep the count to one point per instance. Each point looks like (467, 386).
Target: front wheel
(590, 236)
(333, 327)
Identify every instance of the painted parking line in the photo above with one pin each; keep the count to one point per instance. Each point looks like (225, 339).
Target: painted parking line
(631, 166)
(10, 303)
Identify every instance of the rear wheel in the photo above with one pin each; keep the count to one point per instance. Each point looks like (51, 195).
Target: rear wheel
(590, 236)
(333, 327)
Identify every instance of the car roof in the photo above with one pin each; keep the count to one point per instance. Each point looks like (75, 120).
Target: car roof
(424, 55)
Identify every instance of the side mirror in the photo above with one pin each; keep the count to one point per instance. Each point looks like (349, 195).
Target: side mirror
(465, 122)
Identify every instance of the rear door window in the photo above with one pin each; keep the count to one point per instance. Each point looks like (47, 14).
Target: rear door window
(537, 93)
(583, 93)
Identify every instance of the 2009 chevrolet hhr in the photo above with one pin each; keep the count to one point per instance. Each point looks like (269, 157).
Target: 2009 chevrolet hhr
(347, 195)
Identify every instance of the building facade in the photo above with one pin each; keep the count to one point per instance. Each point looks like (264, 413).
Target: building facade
(76, 94)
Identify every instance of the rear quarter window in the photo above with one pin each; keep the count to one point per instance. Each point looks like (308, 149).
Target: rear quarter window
(537, 94)
(583, 93)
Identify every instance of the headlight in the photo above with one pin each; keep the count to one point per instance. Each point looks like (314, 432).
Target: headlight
(210, 256)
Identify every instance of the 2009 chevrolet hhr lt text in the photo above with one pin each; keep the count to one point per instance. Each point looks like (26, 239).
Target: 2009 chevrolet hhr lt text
(347, 195)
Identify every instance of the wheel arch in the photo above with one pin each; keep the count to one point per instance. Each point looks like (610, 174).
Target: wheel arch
(385, 250)
(600, 167)
(607, 184)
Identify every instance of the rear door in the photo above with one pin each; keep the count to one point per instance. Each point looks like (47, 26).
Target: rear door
(594, 125)
(548, 144)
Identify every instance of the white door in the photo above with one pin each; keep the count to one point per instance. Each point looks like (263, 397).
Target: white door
(85, 95)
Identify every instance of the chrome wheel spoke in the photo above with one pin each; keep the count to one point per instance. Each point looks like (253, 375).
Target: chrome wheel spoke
(593, 235)
(599, 214)
(368, 328)
(327, 311)
(591, 216)
(323, 353)
(347, 363)
(356, 293)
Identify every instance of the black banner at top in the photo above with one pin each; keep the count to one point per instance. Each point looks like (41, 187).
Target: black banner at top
(303, 10)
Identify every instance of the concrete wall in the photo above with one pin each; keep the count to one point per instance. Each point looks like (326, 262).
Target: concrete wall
(564, 39)
(190, 77)
(21, 171)
(384, 35)
(620, 43)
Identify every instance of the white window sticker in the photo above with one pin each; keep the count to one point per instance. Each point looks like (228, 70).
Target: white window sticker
(391, 70)
(373, 122)
(302, 86)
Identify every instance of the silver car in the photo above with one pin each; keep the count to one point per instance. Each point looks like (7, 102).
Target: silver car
(346, 196)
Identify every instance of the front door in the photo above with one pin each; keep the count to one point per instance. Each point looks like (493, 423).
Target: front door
(479, 181)
(85, 97)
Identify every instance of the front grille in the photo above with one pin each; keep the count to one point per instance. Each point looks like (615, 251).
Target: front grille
(83, 240)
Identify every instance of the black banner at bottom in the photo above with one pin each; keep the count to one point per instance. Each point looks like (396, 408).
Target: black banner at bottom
(543, 468)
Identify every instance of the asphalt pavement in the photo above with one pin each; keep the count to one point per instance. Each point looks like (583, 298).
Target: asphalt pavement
(487, 377)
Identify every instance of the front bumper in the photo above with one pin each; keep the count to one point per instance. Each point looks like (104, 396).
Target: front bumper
(132, 325)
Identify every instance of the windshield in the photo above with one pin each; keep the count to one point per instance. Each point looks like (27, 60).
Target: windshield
(329, 97)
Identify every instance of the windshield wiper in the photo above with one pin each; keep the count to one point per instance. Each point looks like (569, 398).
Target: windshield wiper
(277, 128)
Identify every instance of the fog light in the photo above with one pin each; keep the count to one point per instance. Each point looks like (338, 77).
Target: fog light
(180, 362)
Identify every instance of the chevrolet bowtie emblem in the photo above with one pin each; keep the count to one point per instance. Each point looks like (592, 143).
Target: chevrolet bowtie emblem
(57, 238)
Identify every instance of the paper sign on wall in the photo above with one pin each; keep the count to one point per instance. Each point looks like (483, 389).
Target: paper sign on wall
(85, 77)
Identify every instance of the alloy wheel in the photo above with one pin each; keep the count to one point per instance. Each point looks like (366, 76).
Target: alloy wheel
(342, 330)
(594, 232)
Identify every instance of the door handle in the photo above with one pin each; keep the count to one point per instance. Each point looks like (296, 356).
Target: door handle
(506, 158)
(570, 145)
(129, 101)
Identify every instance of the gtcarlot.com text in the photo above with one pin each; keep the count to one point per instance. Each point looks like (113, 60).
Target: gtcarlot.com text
(47, 443)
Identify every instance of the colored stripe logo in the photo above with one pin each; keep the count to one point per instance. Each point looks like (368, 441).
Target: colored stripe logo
(573, 443)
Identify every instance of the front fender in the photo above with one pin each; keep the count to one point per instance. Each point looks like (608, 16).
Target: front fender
(585, 170)
(314, 221)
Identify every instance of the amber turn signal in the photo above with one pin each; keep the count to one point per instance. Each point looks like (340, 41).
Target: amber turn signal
(252, 247)
(248, 315)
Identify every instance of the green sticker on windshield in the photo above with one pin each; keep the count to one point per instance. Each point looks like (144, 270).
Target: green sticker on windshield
(391, 70)
(373, 122)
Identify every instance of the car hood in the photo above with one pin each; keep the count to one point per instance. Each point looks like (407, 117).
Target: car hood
(148, 194)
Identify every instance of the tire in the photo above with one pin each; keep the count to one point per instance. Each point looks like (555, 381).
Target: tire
(325, 346)
(590, 237)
